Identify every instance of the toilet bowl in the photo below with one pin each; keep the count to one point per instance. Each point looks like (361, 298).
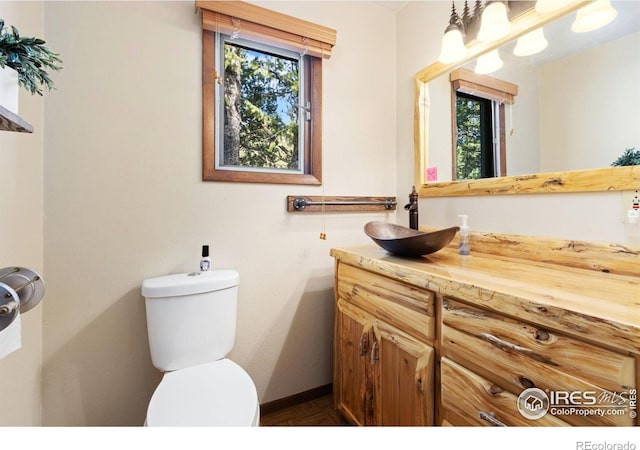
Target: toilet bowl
(191, 323)
(219, 393)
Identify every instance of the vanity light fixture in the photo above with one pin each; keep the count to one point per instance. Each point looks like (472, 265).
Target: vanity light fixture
(494, 23)
(488, 63)
(531, 43)
(489, 21)
(453, 48)
(593, 16)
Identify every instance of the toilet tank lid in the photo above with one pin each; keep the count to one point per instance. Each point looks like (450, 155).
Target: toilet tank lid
(189, 283)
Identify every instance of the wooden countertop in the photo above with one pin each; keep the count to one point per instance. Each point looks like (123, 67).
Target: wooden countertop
(603, 308)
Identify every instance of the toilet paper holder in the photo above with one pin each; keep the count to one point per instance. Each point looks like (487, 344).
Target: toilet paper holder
(21, 289)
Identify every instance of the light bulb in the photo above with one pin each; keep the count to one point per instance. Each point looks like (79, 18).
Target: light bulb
(453, 48)
(494, 22)
(531, 43)
(489, 62)
(594, 16)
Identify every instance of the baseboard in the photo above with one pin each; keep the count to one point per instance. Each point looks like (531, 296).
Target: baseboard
(295, 399)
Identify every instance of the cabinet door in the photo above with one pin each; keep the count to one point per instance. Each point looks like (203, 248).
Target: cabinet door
(403, 376)
(351, 351)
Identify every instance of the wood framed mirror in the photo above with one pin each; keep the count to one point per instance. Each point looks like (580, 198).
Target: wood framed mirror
(584, 180)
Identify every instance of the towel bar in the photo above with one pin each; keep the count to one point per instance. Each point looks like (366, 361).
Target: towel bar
(324, 203)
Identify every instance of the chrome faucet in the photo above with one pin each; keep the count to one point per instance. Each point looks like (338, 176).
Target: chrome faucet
(412, 207)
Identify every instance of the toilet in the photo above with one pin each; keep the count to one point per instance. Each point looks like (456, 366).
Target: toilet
(191, 322)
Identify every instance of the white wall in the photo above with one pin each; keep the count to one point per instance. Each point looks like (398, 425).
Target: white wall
(583, 216)
(419, 28)
(522, 122)
(124, 201)
(581, 90)
(21, 233)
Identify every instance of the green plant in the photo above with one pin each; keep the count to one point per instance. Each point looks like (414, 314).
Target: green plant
(630, 157)
(29, 57)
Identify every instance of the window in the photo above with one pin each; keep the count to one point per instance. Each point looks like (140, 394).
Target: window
(479, 143)
(259, 123)
(262, 95)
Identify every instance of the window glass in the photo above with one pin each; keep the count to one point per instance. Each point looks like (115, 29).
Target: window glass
(260, 124)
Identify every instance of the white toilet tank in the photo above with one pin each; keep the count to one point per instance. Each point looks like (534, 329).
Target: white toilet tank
(191, 318)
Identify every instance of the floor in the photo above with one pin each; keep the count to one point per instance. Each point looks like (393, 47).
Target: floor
(316, 412)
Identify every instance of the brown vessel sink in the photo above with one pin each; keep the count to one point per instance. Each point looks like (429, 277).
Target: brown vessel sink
(405, 241)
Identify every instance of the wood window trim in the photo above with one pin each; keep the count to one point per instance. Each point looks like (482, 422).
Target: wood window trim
(313, 146)
(469, 82)
(275, 29)
(267, 26)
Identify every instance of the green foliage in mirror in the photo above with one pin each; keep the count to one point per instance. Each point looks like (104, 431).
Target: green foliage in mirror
(630, 157)
(468, 144)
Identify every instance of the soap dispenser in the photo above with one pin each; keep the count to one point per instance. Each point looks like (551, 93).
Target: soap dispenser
(463, 246)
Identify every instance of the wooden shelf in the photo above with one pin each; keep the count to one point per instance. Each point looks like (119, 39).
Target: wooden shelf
(11, 122)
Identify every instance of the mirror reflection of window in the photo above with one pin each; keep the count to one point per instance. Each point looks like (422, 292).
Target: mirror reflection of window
(479, 141)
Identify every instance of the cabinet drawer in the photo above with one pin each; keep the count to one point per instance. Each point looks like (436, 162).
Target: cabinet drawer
(518, 355)
(470, 400)
(406, 307)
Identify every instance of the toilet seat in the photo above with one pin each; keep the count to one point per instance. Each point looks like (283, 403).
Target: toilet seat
(219, 393)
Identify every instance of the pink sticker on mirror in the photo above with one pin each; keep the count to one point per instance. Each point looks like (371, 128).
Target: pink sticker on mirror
(432, 174)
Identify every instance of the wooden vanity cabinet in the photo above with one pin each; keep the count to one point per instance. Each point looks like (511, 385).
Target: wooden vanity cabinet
(447, 340)
(383, 354)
